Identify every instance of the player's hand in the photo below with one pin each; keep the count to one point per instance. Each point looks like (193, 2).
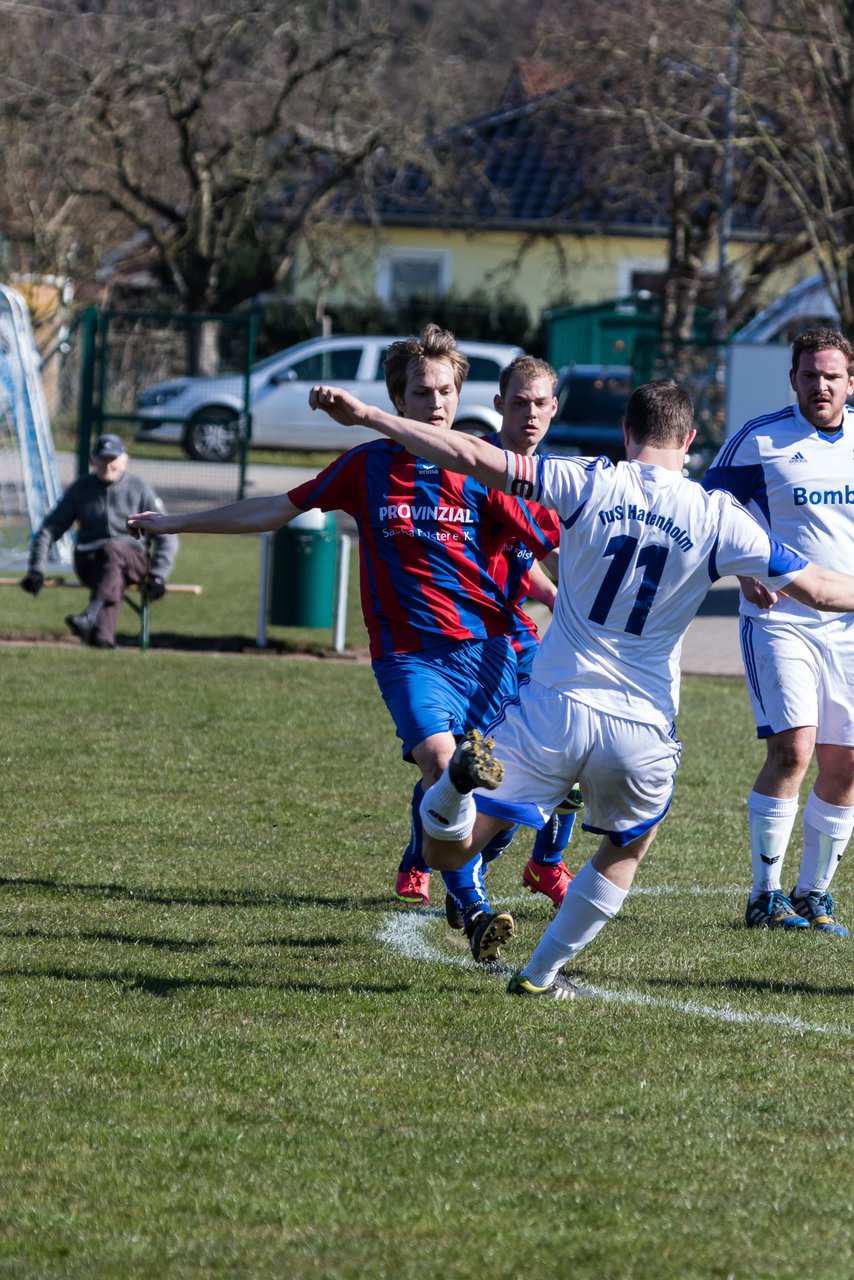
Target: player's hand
(757, 593)
(144, 522)
(154, 586)
(33, 581)
(341, 406)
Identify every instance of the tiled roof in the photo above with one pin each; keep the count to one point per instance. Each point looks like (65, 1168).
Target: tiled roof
(540, 165)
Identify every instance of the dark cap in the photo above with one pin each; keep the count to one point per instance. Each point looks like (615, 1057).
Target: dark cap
(108, 447)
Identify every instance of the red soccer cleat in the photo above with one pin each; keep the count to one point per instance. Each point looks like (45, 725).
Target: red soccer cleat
(413, 888)
(551, 880)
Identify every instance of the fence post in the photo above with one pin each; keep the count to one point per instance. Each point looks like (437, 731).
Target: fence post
(342, 582)
(86, 402)
(263, 591)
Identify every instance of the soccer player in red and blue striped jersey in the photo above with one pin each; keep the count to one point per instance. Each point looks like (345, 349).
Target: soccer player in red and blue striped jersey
(527, 405)
(441, 627)
(438, 623)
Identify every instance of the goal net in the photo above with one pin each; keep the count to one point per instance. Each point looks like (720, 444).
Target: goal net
(29, 482)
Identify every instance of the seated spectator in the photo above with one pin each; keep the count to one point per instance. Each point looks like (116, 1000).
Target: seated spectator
(107, 558)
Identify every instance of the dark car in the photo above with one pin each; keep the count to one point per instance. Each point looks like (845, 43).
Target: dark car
(591, 403)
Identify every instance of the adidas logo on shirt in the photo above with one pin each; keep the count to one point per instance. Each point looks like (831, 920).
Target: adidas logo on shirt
(797, 457)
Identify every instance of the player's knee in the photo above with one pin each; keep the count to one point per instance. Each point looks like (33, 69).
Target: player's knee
(790, 754)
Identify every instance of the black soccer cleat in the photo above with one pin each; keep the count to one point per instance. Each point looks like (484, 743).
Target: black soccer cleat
(473, 764)
(453, 915)
(560, 989)
(487, 933)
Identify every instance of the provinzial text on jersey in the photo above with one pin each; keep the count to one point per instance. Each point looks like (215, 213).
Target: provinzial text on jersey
(406, 511)
(652, 519)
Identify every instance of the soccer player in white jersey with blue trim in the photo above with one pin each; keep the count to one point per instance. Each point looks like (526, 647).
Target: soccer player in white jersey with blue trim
(794, 469)
(645, 545)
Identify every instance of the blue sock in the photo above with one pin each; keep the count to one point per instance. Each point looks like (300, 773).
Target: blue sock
(552, 839)
(465, 885)
(498, 844)
(413, 858)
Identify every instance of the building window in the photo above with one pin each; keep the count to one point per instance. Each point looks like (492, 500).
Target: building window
(634, 274)
(412, 273)
(651, 278)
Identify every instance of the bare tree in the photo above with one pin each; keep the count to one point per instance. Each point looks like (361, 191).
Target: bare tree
(217, 133)
(668, 106)
(746, 119)
(798, 104)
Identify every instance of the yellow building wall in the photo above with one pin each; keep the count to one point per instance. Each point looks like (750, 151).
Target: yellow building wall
(537, 271)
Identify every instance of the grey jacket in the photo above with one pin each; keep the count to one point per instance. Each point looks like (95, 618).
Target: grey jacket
(100, 511)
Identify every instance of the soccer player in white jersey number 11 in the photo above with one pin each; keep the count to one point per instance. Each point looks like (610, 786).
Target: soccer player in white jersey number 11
(645, 545)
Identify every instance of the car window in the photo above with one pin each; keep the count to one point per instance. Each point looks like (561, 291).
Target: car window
(483, 369)
(339, 365)
(599, 398)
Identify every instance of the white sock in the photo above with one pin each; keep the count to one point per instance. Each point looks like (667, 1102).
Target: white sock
(589, 903)
(771, 821)
(827, 830)
(445, 814)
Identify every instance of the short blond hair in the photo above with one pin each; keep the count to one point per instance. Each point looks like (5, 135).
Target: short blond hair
(409, 354)
(528, 368)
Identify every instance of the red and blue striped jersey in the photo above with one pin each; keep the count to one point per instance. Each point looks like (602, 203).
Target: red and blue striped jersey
(427, 538)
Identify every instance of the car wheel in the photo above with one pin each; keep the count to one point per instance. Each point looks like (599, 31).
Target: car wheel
(212, 435)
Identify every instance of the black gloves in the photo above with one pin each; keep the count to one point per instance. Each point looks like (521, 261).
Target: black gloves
(33, 582)
(155, 587)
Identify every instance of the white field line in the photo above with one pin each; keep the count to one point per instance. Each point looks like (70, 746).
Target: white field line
(406, 934)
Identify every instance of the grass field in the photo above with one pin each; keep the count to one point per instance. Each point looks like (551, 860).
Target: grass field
(226, 1053)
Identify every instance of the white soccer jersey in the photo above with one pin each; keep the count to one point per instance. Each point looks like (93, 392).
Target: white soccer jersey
(799, 484)
(640, 546)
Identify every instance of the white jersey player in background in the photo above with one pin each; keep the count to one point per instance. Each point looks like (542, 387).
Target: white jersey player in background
(645, 545)
(794, 469)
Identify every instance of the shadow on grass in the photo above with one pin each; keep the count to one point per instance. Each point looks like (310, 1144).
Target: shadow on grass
(186, 643)
(757, 986)
(247, 898)
(101, 935)
(156, 985)
(164, 944)
(182, 642)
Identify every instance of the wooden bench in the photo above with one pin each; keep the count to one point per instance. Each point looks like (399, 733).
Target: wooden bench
(142, 606)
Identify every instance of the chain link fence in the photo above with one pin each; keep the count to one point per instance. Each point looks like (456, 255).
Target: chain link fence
(137, 374)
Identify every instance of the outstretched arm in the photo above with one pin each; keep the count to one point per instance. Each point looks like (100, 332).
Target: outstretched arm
(252, 515)
(823, 589)
(453, 450)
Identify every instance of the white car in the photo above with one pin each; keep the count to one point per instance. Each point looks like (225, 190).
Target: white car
(207, 415)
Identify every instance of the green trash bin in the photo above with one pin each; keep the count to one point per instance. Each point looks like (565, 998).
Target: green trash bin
(302, 575)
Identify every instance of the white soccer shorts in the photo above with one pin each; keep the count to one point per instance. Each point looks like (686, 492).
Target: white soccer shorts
(548, 741)
(801, 673)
